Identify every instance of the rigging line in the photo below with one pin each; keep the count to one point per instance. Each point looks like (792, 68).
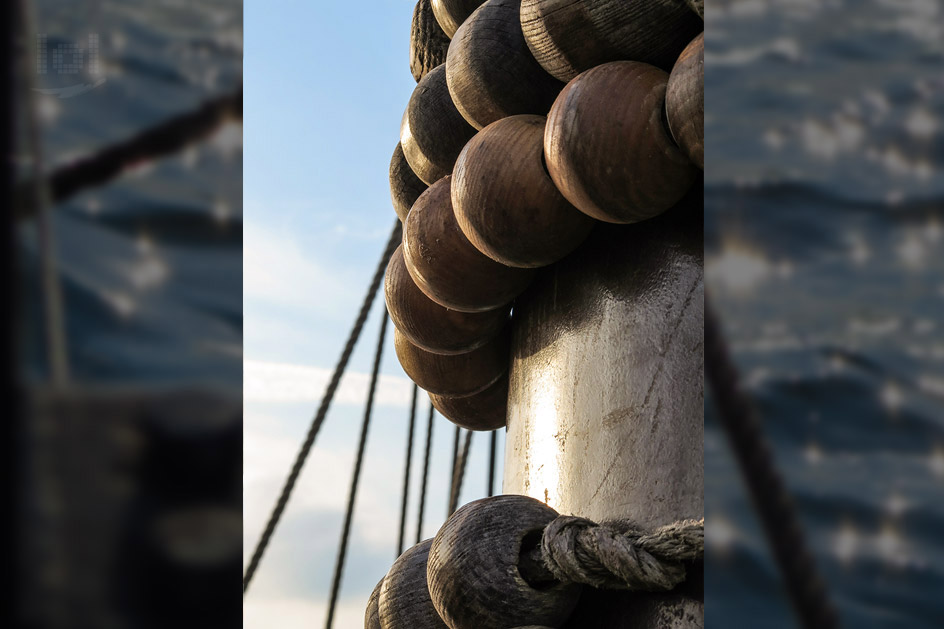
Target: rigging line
(804, 586)
(279, 508)
(459, 473)
(167, 137)
(491, 463)
(358, 463)
(406, 471)
(429, 442)
(455, 463)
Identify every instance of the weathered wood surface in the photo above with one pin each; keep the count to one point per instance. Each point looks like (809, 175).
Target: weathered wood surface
(486, 410)
(608, 149)
(455, 374)
(452, 13)
(490, 71)
(405, 186)
(505, 202)
(685, 101)
(404, 601)
(428, 42)
(372, 613)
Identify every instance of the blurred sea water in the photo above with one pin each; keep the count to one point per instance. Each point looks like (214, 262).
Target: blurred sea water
(824, 234)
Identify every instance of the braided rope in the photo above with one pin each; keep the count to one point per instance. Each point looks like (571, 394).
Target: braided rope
(406, 472)
(615, 555)
(279, 508)
(458, 473)
(429, 443)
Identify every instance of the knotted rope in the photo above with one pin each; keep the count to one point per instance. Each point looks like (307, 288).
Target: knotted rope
(614, 555)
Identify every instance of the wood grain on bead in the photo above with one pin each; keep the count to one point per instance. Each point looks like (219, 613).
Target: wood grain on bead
(505, 202)
(432, 131)
(430, 326)
(428, 42)
(489, 70)
(485, 410)
(685, 101)
(452, 13)
(372, 614)
(446, 266)
(608, 149)
(570, 36)
(454, 374)
(472, 570)
(405, 186)
(698, 6)
(404, 601)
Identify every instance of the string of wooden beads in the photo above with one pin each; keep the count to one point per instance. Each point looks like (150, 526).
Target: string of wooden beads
(510, 191)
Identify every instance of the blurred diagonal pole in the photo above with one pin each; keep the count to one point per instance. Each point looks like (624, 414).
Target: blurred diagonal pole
(406, 471)
(804, 586)
(352, 496)
(429, 442)
(279, 508)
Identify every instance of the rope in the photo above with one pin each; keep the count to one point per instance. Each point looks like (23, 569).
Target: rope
(362, 445)
(406, 471)
(614, 555)
(491, 464)
(804, 586)
(458, 473)
(429, 441)
(322, 409)
(455, 464)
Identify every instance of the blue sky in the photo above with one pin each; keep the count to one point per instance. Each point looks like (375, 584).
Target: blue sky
(326, 84)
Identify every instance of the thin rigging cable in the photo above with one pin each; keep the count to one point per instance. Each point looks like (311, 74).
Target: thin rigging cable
(459, 473)
(362, 446)
(491, 463)
(429, 441)
(771, 500)
(406, 471)
(455, 463)
(279, 508)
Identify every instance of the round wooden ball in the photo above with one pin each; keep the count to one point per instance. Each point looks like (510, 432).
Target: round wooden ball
(505, 202)
(372, 614)
(452, 13)
(685, 101)
(430, 326)
(404, 601)
(472, 570)
(454, 374)
(446, 266)
(486, 410)
(433, 131)
(405, 186)
(428, 42)
(698, 6)
(570, 36)
(608, 149)
(491, 73)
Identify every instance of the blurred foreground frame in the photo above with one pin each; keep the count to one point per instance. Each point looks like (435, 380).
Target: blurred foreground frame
(127, 494)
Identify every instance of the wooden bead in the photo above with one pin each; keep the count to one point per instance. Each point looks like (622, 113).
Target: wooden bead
(372, 614)
(428, 42)
(698, 6)
(472, 569)
(491, 73)
(570, 36)
(446, 266)
(505, 202)
(486, 410)
(405, 186)
(608, 149)
(430, 326)
(404, 597)
(433, 131)
(452, 13)
(685, 101)
(454, 374)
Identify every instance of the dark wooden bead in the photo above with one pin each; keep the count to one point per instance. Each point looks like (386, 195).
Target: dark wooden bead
(472, 569)
(685, 101)
(430, 326)
(446, 266)
(454, 374)
(433, 131)
(405, 186)
(698, 6)
(428, 42)
(607, 146)
(452, 13)
(372, 614)
(570, 36)
(505, 202)
(491, 73)
(486, 410)
(404, 597)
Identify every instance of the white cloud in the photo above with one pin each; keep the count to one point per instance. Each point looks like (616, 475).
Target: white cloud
(293, 613)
